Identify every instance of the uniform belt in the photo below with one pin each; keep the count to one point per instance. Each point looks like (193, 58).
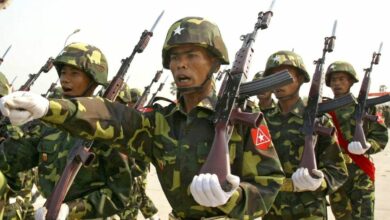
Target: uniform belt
(173, 217)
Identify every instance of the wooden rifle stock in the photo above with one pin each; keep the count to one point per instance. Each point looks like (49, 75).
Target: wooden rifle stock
(227, 110)
(80, 154)
(360, 109)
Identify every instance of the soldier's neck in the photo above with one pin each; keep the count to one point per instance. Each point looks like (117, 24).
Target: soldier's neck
(192, 99)
(287, 104)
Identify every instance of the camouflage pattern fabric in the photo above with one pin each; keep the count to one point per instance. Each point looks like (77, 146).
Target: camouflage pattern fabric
(197, 31)
(355, 199)
(177, 144)
(289, 143)
(99, 190)
(57, 93)
(85, 57)
(4, 85)
(286, 58)
(20, 192)
(340, 66)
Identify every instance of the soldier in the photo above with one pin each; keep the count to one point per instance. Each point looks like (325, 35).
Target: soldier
(266, 102)
(140, 169)
(16, 202)
(355, 199)
(99, 190)
(302, 196)
(176, 138)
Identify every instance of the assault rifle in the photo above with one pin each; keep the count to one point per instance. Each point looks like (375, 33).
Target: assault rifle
(2, 58)
(360, 109)
(228, 111)
(141, 101)
(80, 154)
(33, 77)
(160, 87)
(311, 124)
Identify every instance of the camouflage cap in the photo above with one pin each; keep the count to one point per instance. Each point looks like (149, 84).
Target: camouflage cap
(340, 66)
(4, 85)
(287, 58)
(86, 57)
(198, 31)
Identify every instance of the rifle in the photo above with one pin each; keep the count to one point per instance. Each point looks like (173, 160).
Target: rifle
(2, 58)
(311, 124)
(227, 110)
(158, 90)
(360, 109)
(33, 77)
(51, 88)
(377, 100)
(80, 154)
(141, 101)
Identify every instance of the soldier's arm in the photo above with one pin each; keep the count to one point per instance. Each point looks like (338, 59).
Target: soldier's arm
(104, 121)
(376, 135)
(331, 162)
(261, 178)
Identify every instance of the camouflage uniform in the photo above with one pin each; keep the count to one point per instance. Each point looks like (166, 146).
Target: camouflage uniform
(22, 207)
(99, 190)
(355, 199)
(289, 140)
(139, 169)
(177, 143)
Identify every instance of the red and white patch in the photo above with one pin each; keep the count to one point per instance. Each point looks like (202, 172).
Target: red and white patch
(261, 137)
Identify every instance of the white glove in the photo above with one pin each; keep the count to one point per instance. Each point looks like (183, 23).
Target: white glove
(355, 147)
(22, 107)
(304, 182)
(207, 191)
(40, 214)
(154, 217)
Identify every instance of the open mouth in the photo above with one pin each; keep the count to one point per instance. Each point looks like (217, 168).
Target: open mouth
(183, 79)
(66, 89)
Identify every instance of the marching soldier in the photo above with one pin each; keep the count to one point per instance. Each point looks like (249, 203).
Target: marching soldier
(176, 138)
(99, 190)
(355, 199)
(302, 195)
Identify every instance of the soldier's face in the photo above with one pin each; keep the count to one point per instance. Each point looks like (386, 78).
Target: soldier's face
(190, 65)
(73, 81)
(340, 83)
(290, 90)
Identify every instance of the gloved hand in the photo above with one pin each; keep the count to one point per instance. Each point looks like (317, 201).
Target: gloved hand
(40, 214)
(304, 182)
(207, 191)
(154, 217)
(355, 147)
(22, 107)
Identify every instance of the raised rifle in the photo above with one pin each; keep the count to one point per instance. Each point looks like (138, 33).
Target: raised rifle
(360, 109)
(227, 110)
(2, 58)
(80, 154)
(311, 123)
(33, 77)
(141, 101)
(160, 87)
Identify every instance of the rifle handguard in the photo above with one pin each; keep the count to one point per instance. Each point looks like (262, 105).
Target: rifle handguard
(249, 119)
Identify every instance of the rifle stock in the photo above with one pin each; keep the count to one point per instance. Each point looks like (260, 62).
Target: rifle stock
(360, 109)
(80, 154)
(227, 110)
(311, 124)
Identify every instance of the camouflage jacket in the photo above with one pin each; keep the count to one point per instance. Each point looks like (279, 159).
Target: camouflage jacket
(177, 143)
(106, 181)
(376, 132)
(289, 143)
